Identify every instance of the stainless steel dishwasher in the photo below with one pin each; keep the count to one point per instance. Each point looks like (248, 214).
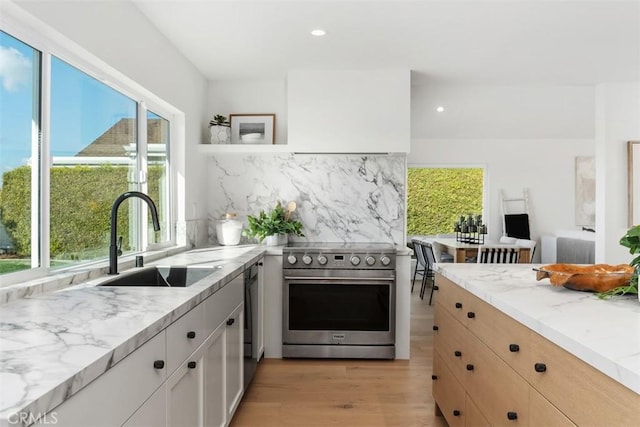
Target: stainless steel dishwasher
(251, 319)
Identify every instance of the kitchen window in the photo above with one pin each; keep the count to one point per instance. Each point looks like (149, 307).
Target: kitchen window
(98, 142)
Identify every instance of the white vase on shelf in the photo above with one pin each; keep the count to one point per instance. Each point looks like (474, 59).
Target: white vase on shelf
(276, 240)
(220, 134)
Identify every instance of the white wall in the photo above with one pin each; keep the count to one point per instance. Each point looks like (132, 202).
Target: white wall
(525, 137)
(118, 34)
(250, 96)
(618, 121)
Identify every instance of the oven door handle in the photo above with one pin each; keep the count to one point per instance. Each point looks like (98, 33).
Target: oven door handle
(334, 278)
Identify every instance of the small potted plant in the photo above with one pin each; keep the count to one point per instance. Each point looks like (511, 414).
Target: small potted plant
(220, 129)
(275, 226)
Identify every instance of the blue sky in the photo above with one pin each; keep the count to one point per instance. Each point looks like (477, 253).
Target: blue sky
(82, 108)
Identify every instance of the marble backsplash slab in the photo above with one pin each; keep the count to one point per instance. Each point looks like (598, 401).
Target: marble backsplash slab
(340, 198)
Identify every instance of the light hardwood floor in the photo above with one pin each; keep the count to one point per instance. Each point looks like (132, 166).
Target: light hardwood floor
(301, 392)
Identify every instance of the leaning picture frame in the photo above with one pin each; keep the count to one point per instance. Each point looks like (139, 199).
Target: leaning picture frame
(633, 182)
(252, 128)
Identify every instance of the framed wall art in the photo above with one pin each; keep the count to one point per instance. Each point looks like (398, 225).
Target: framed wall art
(633, 182)
(252, 128)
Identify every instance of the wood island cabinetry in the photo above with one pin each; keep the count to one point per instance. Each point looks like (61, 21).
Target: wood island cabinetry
(489, 369)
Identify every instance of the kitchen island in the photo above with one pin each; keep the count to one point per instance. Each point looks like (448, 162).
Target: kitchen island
(504, 341)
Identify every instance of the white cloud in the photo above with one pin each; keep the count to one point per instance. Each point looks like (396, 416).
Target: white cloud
(15, 68)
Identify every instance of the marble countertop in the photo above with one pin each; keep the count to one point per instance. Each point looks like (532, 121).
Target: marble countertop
(52, 345)
(603, 333)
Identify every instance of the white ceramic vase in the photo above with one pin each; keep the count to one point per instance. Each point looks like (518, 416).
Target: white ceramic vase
(276, 240)
(220, 134)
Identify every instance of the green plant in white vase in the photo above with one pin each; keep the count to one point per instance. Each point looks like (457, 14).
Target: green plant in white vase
(220, 129)
(277, 222)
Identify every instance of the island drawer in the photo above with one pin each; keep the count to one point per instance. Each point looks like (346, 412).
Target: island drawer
(451, 296)
(585, 395)
(448, 393)
(508, 338)
(501, 394)
(449, 337)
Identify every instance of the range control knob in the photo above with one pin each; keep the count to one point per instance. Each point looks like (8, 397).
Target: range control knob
(385, 260)
(306, 260)
(291, 259)
(322, 260)
(370, 260)
(355, 260)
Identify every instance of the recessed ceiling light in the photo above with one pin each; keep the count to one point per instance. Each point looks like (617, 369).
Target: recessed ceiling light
(318, 33)
(440, 109)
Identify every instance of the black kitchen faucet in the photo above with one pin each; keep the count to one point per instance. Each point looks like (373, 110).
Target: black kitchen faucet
(113, 248)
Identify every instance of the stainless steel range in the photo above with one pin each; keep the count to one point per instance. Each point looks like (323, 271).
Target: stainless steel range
(339, 300)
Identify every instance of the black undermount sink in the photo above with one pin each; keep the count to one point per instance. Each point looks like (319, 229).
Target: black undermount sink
(178, 277)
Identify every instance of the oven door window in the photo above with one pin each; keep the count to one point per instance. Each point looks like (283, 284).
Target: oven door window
(339, 307)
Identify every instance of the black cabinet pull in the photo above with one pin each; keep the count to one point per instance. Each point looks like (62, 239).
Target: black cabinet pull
(457, 353)
(158, 364)
(231, 321)
(471, 315)
(514, 348)
(191, 365)
(260, 263)
(512, 415)
(435, 327)
(456, 413)
(458, 305)
(191, 335)
(436, 288)
(434, 377)
(469, 367)
(540, 367)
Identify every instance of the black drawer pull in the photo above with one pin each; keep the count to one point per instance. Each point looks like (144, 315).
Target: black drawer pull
(457, 353)
(436, 288)
(514, 348)
(191, 365)
(456, 413)
(540, 367)
(434, 377)
(512, 415)
(435, 327)
(158, 364)
(471, 315)
(469, 367)
(191, 335)
(458, 305)
(231, 321)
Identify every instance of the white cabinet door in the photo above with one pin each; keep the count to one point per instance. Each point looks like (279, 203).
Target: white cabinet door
(153, 413)
(185, 398)
(215, 413)
(115, 395)
(234, 358)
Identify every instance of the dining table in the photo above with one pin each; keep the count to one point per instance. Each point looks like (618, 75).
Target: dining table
(461, 251)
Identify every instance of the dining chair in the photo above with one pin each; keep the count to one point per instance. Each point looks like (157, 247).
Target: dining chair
(526, 243)
(429, 275)
(498, 255)
(421, 262)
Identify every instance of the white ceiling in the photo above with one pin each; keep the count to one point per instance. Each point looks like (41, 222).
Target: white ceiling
(473, 42)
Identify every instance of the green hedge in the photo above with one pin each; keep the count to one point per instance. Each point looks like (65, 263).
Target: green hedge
(438, 196)
(81, 200)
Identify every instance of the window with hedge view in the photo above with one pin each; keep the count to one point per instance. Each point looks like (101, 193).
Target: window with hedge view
(436, 197)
